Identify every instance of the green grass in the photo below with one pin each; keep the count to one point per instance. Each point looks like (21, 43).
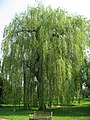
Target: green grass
(76, 112)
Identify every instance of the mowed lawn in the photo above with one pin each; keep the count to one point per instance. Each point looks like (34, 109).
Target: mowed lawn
(75, 112)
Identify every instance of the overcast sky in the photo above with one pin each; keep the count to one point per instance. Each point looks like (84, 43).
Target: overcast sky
(8, 8)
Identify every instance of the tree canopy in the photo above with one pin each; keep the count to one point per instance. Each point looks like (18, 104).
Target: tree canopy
(43, 54)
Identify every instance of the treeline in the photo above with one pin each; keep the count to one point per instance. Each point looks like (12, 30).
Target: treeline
(43, 54)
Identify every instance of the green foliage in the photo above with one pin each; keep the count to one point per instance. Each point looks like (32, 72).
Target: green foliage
(42, 56)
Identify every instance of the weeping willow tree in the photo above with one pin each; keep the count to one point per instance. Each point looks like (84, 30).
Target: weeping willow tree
(42, 57)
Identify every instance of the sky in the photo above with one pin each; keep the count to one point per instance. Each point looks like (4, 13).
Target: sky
(8, 8)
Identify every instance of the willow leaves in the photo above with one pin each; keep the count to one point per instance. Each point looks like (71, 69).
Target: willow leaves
(42, 56)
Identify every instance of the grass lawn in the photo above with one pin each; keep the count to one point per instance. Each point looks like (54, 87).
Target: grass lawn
(76, 112)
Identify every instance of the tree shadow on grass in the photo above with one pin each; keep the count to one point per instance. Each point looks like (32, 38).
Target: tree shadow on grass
(76, 111)
(12, 110)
